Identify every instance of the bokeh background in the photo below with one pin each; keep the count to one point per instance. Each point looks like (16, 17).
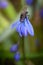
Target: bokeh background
(30, 48)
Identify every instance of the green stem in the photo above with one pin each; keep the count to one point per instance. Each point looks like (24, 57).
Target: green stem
(26, 47)
(21, 50)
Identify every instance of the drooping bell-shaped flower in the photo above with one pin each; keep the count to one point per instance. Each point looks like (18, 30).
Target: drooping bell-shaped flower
(17, 56)
(14, 48)
(23, 28)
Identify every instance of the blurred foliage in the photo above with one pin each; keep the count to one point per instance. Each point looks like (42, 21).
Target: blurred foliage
(30, 47)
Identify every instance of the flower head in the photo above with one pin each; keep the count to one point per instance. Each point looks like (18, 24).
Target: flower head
(14, 48)
(17, 56)
(25, 28)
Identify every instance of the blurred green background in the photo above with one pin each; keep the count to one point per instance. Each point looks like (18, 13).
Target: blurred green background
(30, 48)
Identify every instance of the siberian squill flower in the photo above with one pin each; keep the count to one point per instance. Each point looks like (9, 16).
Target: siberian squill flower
(14, 48)
(17, 56)
(23, 28)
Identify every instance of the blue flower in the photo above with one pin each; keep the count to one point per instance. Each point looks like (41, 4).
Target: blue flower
(3, 4)
(41, 13)
(29, 2)
(23, 28)
(14, 48)
(17, 56)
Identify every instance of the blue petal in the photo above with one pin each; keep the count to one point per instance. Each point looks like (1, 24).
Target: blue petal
(20, 34)
(23, 30)
(29, 27)
(14, 48)
(15, 24)
(18, 29)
